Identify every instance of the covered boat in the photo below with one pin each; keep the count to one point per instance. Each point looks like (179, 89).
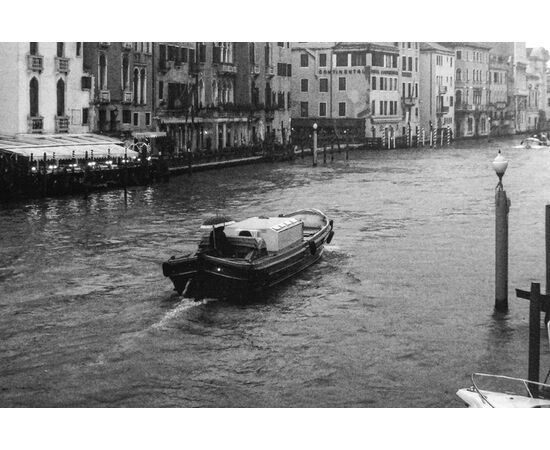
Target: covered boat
(250, 255)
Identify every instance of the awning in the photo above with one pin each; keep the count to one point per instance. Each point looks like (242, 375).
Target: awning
(66, 147)
(149, 134)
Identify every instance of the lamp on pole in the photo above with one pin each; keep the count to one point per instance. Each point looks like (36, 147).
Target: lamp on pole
(314, 151)
(502, 207)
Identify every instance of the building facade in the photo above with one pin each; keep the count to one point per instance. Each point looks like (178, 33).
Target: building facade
(437, 87)
(471, 88)
(41, 89)
(120, 74)
(409, 55)
(537, 88)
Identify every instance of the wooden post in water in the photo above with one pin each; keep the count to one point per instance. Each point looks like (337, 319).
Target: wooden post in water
(547, 232)
(502, 207)
(534, 337)
(324, 154)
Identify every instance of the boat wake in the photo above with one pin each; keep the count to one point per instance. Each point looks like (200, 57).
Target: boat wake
(183, 307)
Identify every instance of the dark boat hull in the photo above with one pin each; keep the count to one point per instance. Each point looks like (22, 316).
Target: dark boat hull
(207, 276)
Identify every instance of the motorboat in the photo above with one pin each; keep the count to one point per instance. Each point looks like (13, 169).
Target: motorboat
(511, 392)
(251, 255)
(531, 394)
(534, 142)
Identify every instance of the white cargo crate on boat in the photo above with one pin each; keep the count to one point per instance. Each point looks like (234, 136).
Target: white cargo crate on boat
(277, 232)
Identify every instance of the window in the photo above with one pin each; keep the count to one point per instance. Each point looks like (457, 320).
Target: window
(403, 63)
(147, 119)
(85, 116)
(373, 108)
(303, 109)
(33, 50)
(374, 83)
(416, 64)
(341, 59)
(102, 82)
(79, 49)
(323, 85)
(125, 72)
(341, 83)
(126, 116)
(304, 62)
(451, 99)
(60, 98)
(60, 49)
(161, 90)
(358, 59)
(304, 84)
(281, 44)
(322, 109)
(410, 64)
(86, 83)
(33, 97)
(342, 109)
(458, 54)
(136, 119)
(322, 60)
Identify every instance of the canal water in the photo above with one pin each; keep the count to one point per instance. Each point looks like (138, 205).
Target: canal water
(398, 313)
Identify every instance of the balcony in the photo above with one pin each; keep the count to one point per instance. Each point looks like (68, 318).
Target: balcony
(127, 46)
(127, 96)
(442, 90)
(270, 70)
(104, 96)
(442, 110)
(61, 124)
(409, 101)
(35, 63)
(254, 69)
(227, 68)
(464, 107)
(197, 67)
(62, 64)
(36, 124)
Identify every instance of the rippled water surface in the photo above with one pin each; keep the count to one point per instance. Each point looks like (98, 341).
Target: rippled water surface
(398, 313)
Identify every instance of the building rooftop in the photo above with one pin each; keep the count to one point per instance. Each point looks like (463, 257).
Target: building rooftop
(434, 46)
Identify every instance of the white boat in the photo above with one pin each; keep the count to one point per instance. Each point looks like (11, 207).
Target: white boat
(533, 142)
(530, 395)
(475, 397)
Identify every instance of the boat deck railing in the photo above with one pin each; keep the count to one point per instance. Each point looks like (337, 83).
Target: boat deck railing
(526, 384)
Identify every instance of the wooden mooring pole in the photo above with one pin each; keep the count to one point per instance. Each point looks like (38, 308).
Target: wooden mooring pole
(547, 233)
(314, 150)
(502, 207)
(537, 303)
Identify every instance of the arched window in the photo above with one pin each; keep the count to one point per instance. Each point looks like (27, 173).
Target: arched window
(102, 72)
(136, 86)
(458, 75)
(33, 97)
(458, 98)
(201, 94)
(33, 50)
(125, 73)
(214, 93)
(60, 49)
(142, 88)
(60, 98)
(230, 92)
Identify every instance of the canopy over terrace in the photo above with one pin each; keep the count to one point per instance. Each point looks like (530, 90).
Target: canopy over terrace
(65, 146)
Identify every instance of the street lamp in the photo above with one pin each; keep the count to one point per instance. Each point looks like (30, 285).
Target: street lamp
(500, 165)
(314, 150)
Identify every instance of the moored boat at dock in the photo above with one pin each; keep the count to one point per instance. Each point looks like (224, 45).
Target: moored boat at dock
(236, 259)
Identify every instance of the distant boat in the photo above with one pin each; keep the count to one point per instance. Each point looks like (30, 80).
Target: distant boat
(534, 142)
(532, 395)
(257, 253)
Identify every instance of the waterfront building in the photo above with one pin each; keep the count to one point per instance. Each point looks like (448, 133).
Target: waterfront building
(353, 87)
(536, 88)
(437, 87)
(471, 88)
(409, 56)
(42, 88)
(120, 74)
(174, 94)
(515, 55)
(215, 95)
(499, 106)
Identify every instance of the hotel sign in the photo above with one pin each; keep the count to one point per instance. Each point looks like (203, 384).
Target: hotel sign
(341, 71)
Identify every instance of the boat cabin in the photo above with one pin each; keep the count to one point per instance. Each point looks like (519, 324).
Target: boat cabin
(277, 232)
